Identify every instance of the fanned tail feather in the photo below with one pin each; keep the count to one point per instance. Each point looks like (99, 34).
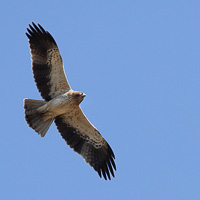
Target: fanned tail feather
(34, 118)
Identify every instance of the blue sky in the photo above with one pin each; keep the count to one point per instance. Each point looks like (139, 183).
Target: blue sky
(138, 62)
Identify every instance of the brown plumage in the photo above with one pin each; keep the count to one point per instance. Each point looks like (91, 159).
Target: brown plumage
(62, 105)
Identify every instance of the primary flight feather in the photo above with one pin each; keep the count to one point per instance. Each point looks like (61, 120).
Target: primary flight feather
(62, 105)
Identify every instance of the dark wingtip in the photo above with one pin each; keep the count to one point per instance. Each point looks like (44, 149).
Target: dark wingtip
(34, 29)
(107, 168)
(99, 172)
(33, 24)
(37, 32)
(104, 174)
(28, 36)
(42, 29)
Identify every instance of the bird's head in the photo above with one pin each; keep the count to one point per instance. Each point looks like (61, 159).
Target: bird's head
(76, 97)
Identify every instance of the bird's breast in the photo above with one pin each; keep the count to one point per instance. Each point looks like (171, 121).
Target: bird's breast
(58, 106)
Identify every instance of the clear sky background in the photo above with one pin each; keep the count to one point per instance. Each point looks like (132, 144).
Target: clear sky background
(138, 62)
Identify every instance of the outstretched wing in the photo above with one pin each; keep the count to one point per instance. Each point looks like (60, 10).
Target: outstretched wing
(85, 139)
(47, 63)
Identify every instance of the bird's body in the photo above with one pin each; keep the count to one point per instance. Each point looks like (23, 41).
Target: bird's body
(62, 105)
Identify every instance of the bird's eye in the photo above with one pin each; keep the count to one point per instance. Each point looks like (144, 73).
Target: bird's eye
(77, 95)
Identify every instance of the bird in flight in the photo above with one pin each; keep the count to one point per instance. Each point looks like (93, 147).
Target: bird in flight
(62, 105)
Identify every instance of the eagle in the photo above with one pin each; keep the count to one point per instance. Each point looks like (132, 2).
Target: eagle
(61, 104)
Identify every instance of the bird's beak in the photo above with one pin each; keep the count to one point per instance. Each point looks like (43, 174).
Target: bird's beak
(84, 94)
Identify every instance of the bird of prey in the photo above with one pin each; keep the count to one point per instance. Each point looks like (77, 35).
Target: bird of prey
(62, 105)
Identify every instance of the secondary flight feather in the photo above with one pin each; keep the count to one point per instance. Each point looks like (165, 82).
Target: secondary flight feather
(62, 105)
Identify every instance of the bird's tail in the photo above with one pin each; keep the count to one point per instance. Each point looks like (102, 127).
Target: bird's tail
(36, 119)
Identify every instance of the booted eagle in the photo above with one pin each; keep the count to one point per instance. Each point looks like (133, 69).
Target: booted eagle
(62, 105)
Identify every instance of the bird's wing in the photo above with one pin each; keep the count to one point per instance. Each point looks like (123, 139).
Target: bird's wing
(47, 63)
(85, 139)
